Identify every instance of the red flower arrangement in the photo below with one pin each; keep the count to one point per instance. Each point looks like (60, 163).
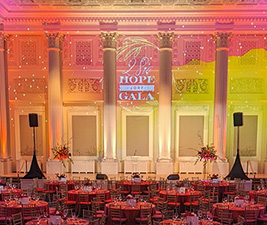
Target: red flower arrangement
(62, 153)
(207, 153)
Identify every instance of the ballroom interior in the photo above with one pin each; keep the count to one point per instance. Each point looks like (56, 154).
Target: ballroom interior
(133, 85)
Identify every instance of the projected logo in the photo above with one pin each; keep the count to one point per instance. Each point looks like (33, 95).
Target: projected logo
(137, 83)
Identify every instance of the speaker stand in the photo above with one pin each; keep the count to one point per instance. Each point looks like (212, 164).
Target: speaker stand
(35, 171)
(237, 169)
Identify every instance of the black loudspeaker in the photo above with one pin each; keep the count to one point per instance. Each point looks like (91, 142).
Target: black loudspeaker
(238, 119)
(33, 120)
(173, 177)
(101, 176)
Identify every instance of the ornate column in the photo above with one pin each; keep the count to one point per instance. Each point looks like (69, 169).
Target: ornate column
(220, 98)
(55, 107)
(4, 118)
(110, 165)
(165, 165)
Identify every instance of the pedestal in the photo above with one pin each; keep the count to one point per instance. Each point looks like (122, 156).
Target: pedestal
(5, 166)
(109, 167)
(134, 165)
(83, 166)
(54, 166)
(164, 167)
(220, 167)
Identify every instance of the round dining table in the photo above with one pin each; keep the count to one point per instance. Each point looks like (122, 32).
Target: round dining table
(238, 211)
(13, 207)
(53, 185)
(181, 197)
(255, 194)
(129, 212)
(73, 195)
(9, 192)
(127, 185)
(70, 221)
(222, 187)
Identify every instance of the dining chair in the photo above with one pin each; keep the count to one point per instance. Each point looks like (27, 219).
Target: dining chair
(145, 211)
(231, 190)
(172, 201)
(83, 202)
(4, 219)
(96, 209)
(136, 189)
(37, 212)
(17, 219)
(154, 196)
(94, 222)
(103, 220)
(48, 192)
(192, 204)
(251, 215)
(116, 215)
(156, 222)
(225, 216)
(168, 214)
(120, 185)
(27, 213)
(63, 189)
(87, 214)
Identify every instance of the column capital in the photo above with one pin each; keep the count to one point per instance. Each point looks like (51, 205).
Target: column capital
(3, 38)
(54, 38)
(109, 40)
(165, 39)
(222, 39)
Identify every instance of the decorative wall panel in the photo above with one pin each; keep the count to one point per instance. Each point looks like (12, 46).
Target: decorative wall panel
(192, 86)
(83, 52)
(84, 85)
(247, 85)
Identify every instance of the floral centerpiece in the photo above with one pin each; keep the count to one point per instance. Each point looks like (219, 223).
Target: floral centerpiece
(214, 176)
(62, 153)
(207, 153)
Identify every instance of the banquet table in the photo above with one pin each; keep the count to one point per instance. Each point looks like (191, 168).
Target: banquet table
(127, 185)
(128, 211)
(255, 194)
(13, 192)
(45, 221)
(53, 185)
(13, 207)
(73, 194)
(238, 211)
(181, 197)
(180, 222)
(222, 187)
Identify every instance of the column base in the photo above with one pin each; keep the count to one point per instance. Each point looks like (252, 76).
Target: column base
(109, 167)
(54, 166)
(164, 167)
(5, 166)
(219, 167)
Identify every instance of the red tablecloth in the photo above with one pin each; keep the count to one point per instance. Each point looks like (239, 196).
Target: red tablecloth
(222, 187)
(73, 194)
(237, 211)
(254, 194)
(181, 197)
(12, 207)
(128, 211)
(7, 192)
(55, 184)
(127, 185)
(44, 221)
